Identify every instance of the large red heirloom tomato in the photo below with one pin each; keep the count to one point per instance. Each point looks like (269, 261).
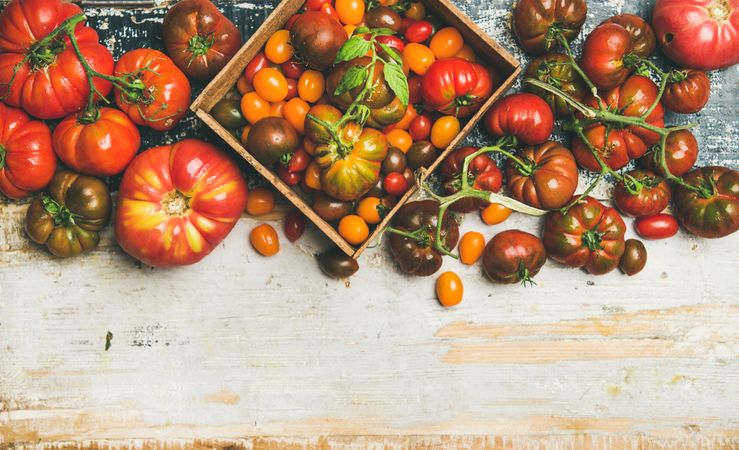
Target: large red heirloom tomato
(456, 86)
(102, 145)
(523, 115)
(45, 78)
(698, 34)
(27, 161)
(178, 202)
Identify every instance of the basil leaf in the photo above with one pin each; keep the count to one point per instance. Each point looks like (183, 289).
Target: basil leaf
(355, 76)
(355, 47)
(361, 30)
(382, 31)
(393, 53)
(397, 81)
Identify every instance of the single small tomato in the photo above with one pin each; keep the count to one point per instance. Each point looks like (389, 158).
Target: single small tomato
(337, 264)
(446, 43)
(292, 88)
(264, 240)
(294, 112)
(354, 229)
(395, 184)
(471, 247)
(312, 176)
(257, 63)
(261, 201)
(634, 258)
(351, 12)
(495, 213)
(270, 84)
(415, 11)
(400, 139)
(294, 225)
(311, 85)
(418, 57)
(658, 226)
(371, 210)
(292, 68)
(290, 178)
(245, 134)
(420, 128)
(276, 109)
(444, 130)
(278, 48)
(419, 31)
(243, 85)
(395, 161)
(254, 107)
(449, 289)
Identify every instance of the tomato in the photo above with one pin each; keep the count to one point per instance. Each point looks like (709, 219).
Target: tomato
(416, 11)
(456, 86)
(330, 209)
(396, 184)
(292, 88)
(658, 226)
(399, 139)
(714, 212)
(177, 202)
(467, 53)
(418, 57)
(68, 219)
(377, 97)
(420, 257)
(254, 108)
(446, 43)
(698, 34)
(264, 239)
(291, 21)
(166, 97)
(261, 201)
(312, 176)
(449, 289)
(495, 213)
(289, 178)
(316, 38)
(27, 161)
(547, 180)
(589, 236)
(444, 130)
(603, 53)
(278, 48)
(292, 68)
(482, 173)
(297, 161)
(294, 225)
(316, 132)
(383, 17)
(414, 89)
(369, 209)
(257, 63)
(354, 229)
(43, 78)
(245, 134)
(420, 127)
(523, 115)
(270, 84)
(395, 161)
(421, 154)
(315, 5)
(330, 11)
(243, 85)
(102, 145)
(392, 42)
(390, 115)
(350, 170)
(295, 111)
(419, 31)
(199, 38)
(689, 94)
(651, 199)
(270, 139)
(513, 256)
(471, 247)
(337, 264)
(634, 258)
(681, 152)
(227, 111)
(311, 85)
(350, 12)
(535, 20)
(555, 69)
(643, 40)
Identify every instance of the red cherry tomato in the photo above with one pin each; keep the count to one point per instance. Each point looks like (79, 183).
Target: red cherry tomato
(523, 115)
(257, 63)
(419, 31)
(291, 21)
(396, 184)
(414, 90)
(658, 226)
(294, 225)
(292, 88)
(298, 161)
(405, 23)
(315, 5)
(290, 178)
(292, 68)
(392, 42)
(420, 128)
(328, 9)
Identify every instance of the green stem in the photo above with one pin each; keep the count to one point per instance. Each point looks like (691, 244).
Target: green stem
(334, 132)
(2, 156)
(576, 67)
(587, 192)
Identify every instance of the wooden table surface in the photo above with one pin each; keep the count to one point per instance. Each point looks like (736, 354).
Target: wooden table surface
(250, 352)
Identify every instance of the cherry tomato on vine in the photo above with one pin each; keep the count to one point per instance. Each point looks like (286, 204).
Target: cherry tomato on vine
(264, 240)
(418, 57)
(369, 209)
(294, 112)
(419, 31)
(294, 225)
(354, 229)
(254, 107)
(658, 226)
(396, 184)
(471, 247)
(449, 289)
(261, 201)
(311, 85)
(351, 12)
(446, 43)
(444, 130)
(495, 213)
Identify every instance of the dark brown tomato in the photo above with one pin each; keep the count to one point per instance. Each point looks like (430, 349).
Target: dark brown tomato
(383, 17)
(643, 40)
(337, 264)
(271, 138)
(535, 20)
(316, 38)
(513, 256)
(227, 111)
(555, 69)
(388, 114)
(421, 154)
(395, 161)
(634, 258)
(329, 208)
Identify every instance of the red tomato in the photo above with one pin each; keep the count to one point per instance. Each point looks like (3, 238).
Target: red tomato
(292, 68)
(166, 97)
(482, 172)
(420, 128)
(291, 21)
(681, 152)
(45, 79)
(298, 161)
(178, 202)
(523, 115)
(294, 225)
(27, 161)
(315, 5)
(419, 31)
(698, 34)
(602, 55)
(689, 94)
(256, 64)
(101, 147)
(414, 90)
(395, 184)
(658, 226)
(290, 178)
(456, 86)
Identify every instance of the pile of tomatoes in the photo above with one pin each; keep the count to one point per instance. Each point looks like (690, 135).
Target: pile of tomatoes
(425, 82)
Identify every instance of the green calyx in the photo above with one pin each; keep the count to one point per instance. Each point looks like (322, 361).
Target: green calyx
(2, 156)
(61, 215)
(199, 45)
(524, 275)
(592, 239)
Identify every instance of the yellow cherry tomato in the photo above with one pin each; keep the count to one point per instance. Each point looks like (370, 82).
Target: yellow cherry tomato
(405, 122)
(399, 138)
(350, 12)
(313, 176)
(311, 85)
(449, 289)
(467, 53)
(444, 130)
(278, 48)
(264, 239)
(354, 229)
(494, 214)
(446, 43)
(254, 107)
(350, 29)
(295, 111)
(369, 210)
(471, 247)
(418, 57)
(270, 84)
(260, 201)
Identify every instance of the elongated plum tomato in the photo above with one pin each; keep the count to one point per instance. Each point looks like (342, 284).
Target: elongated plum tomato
(658, 226)
(178, 202)
(470, 247)
(523, 115)
(27, 161)
(698, 34)
(449, 289)
(101, 145)
(264, 239)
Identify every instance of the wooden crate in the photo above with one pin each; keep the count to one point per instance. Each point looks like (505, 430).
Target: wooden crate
(485, 47)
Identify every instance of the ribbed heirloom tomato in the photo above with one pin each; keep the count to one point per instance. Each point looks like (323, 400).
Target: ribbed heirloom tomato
(689, 93)
(714, 211)
(681, 152)
(513, 256)
(483, 174)
(178, 202)
(536, 21)
(523, 115)
(653, 197)
(456, 86)
(603, 53)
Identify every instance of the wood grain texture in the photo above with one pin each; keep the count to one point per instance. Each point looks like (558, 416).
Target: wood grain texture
(242, 351)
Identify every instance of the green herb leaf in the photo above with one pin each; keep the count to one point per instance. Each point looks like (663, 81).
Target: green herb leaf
(382, 31)
(361, 30)
(397, 81)
(355, 76)
(355, 47)
(393, 53)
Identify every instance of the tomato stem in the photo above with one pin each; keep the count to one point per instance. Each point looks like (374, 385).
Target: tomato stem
(199, 45)
(60, 214)
(2, 156)
(524, 275)
(332, 129)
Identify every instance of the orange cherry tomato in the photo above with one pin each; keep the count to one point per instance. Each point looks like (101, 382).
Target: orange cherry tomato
(354, 229)
(467, 53)
(449, 289)
(369, 209)
(350, 29)
(494, 214)
(313, 176)
(311, 85)
(261, 201)
(294, 112)
(278, 48)
(405, 122)
(399, 138)
(271, 84)
(351, 12)
(254, 107)
(418, 57)
(245, 134)
(446, 43)
(444, 130)
(471, 247)
(243, 85)
(264, 239)
(308, 145)
(275, 109)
